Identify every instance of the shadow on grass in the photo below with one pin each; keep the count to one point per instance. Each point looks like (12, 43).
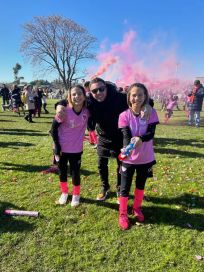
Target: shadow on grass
(178, 142)
(37, 168)
(86, 172)
(47, 117)
(106, 204)
(173, 217)
(24, 167)
(10, 223)
(6, 121)
(163, 215)
(22, 132)
(14, 145)
(180, 153)
(10, 115)
(46, 122)
(19, 130)
(186, 200)
(176, 217)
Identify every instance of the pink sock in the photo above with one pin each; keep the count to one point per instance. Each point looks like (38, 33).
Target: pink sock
(139, 194)
(91, 141)
(123, 205)
(64, 187)
(94, 137)
(76, 190)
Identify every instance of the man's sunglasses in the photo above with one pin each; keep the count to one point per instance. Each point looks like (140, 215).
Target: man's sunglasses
(100, 90)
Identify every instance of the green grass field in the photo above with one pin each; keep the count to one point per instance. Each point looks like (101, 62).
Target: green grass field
(87, 238)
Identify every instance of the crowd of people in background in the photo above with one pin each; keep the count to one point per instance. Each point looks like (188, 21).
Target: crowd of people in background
(13, 98)
(27, 99)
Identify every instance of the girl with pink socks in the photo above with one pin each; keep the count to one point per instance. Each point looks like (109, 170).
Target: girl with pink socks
(141, 159)
(68, 131)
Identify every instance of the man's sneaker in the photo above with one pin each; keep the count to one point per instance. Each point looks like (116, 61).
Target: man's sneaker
(138, 214)
(102, 195)
(62, 200)
(75, 200)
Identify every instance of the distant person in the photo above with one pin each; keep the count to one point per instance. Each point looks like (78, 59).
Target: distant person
(141, 131)
(60, 93)
(172, 103)
(5, 96)
(40, 95)
(86, 87)
(16, 100)
(120, 89)
(126, 89)
(37, 93)
(29, 103)
(83, 81)
(164, 101)
(44, 102)
(195, 102)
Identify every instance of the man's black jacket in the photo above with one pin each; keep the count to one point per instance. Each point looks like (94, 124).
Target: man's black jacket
(105, 114)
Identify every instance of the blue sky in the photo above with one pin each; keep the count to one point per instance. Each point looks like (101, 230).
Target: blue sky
(179, 23)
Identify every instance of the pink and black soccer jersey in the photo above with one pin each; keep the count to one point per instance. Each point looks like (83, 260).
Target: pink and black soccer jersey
(138, 127)
(72, 129)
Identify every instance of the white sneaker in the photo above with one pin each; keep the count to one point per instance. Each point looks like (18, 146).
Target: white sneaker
(63, 199)
(75, 200)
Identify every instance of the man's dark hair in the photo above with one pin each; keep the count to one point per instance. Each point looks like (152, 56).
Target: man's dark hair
(96, 80)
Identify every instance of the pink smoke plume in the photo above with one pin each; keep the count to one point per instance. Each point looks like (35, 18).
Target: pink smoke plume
(133, 61)
(107, 62)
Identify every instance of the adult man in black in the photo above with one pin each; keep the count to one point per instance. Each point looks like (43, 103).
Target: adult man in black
(105, 104)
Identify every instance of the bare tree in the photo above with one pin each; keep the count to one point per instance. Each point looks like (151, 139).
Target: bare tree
(59, 43)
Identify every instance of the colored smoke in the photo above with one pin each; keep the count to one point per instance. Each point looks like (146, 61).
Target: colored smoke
(134, 61)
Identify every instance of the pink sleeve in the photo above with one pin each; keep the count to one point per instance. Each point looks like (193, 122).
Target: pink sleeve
(154, 117)
(122, 122)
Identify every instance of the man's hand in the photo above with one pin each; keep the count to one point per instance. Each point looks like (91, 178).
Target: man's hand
(60, 113)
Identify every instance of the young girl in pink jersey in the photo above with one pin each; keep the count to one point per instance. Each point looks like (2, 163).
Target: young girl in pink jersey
(173, 102)
(142, 157)
(68, 134)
